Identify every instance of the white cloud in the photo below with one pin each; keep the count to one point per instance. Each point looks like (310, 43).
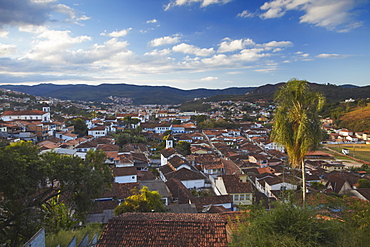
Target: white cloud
(164, 41)
(250, 55)
(331, 14)
(71, 13)
(156, 52)
(116, 34)
(228, 45)
(152, 21)
(217, 60)
(203, 3)
(209, 78)
(51, 44)
(275, 44)
(32, 29)
(325, 55)
(6, 50)
(191, 49)
(30, 12)
(3, 33)
(246, 14)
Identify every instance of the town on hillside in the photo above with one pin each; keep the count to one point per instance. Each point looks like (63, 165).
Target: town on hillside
(206, 166)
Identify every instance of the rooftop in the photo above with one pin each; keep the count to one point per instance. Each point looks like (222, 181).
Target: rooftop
(165, 229)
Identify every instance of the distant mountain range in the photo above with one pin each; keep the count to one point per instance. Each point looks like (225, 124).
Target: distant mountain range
(140, 94)
(169, 95)
(331, 92)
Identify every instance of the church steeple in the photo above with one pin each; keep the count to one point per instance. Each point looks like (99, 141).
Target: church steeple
(169, 142)
(45, 107)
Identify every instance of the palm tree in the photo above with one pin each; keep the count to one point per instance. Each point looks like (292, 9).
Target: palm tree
(296, 123)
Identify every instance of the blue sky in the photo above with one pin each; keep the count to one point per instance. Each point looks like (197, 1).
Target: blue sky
(184, 43)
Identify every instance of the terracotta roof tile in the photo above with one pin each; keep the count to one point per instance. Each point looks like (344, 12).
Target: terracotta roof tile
(184, 174)
(26, 112)
(124, 171)
(234, 185)
(164, 229)
(168, 152)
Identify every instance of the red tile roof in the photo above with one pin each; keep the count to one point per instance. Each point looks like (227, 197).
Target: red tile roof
(27, 112)
(164, 229)
(234, 185)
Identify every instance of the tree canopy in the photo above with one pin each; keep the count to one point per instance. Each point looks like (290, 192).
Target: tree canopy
(79, 125)
(30, 183)
(285, 225)
(143, 200)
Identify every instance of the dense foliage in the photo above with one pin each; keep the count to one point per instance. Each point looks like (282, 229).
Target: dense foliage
(129, 136)
(183, 147)
(341, 221)
(143, 200)
(80, 127)
(285, 225)
(31, 185)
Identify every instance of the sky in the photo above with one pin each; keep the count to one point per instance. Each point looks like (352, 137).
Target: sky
(186, 44)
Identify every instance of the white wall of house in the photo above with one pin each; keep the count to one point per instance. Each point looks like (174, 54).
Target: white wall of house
(97, 133)
(161, 130)
(219, 187)
(190, 184)
(279, 186)
(43, 118)
(65, 137)
(242, 199)
(126, 179)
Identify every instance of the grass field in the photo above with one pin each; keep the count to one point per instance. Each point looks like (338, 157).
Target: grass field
(359, 151)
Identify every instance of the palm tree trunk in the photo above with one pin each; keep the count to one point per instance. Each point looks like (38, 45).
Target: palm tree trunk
(303, 184)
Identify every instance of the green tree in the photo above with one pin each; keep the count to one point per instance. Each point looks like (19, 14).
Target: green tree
(183, 147)
(129, 136)
(296, 122)
(142, 200)
(79, 125)
(57, 216)
(285, 225)
(30, 181)
(363, 183)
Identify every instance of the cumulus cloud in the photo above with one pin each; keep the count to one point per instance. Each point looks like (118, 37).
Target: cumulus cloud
(276, 44)
(51, 44)
(331, 14)
(191, 49)
(228, 45)
(116, 34)
(30, 12)
(164, 41)
(203, 3)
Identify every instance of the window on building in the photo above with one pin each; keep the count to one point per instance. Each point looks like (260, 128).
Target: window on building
(236, 197)
(241, 197)
(247, 196)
